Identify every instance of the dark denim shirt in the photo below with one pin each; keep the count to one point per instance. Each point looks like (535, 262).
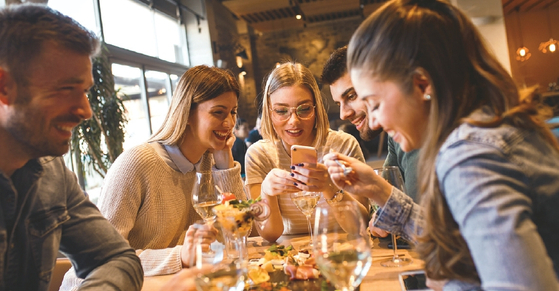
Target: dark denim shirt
(43, 210)
(502, 187)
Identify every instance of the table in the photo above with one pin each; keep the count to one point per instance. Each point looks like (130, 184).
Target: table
(378, 277)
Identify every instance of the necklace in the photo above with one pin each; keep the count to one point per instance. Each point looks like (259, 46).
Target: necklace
(285, 149)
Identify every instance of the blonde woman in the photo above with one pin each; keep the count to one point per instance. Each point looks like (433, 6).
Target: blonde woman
(489, 166)
(293, 113)
(146, 194)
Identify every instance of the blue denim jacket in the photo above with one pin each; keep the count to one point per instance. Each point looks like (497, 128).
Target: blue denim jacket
(502, 188)
(53, 214)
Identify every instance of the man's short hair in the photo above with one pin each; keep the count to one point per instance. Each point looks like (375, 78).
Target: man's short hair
(25, 28)
(335, 67)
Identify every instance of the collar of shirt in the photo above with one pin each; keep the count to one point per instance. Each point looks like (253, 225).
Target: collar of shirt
(173, 156)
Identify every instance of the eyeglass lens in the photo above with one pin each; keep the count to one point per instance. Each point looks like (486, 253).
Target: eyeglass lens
(303, 111)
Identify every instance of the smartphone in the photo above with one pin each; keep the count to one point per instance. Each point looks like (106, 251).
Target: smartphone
(303, 154)
(413, 281)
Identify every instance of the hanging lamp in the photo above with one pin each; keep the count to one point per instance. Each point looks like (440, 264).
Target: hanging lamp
(551, 44)
(522, 53)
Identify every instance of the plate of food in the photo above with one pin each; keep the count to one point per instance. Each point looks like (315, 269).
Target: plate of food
(283, 268)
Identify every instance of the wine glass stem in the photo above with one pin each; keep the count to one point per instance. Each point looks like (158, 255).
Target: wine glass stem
(309, 226)
(395, 247)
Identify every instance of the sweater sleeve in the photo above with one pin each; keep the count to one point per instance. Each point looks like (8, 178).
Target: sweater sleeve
(123, 193)
(230, 180)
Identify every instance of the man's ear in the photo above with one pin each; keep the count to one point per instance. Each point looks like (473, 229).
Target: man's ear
(422, 81)
(7, 85)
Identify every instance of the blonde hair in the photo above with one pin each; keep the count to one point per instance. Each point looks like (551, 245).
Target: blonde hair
(286, 75)
(198, 84)
(406, 37)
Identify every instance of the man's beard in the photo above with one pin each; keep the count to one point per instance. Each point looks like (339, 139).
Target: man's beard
(370, 134)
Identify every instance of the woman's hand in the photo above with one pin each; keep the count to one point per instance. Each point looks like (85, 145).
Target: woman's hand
(224, 158)
(375, 231)
(206, 233)
(362, 180)
(279, 182)
(312, 178)
(184, 280)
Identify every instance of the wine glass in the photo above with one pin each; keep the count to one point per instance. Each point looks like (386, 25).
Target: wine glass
(343, 251)
(222, 276)
(205, 196)
(306, 202)
(394, 177)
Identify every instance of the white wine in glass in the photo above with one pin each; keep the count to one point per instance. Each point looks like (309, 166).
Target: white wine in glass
(223, 276)
(205, 196)
(342, 252)
(393, 176)
(306, 202)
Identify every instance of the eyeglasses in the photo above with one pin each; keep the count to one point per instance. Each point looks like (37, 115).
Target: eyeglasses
(303, 111)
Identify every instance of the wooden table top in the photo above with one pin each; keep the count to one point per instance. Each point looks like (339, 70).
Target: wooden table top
(378, 277)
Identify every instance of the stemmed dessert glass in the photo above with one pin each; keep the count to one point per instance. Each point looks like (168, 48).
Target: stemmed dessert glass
(306, 202)
(393, 176)
(343, 251)
(236, 218)
(223, 276)
(205, 196)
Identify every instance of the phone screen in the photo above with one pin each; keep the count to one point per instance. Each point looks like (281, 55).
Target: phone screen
(413, 281)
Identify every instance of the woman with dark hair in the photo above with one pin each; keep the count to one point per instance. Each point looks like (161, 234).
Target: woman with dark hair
(146, 194)
(489, 166)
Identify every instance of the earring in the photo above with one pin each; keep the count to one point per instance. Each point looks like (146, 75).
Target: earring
(427, 97)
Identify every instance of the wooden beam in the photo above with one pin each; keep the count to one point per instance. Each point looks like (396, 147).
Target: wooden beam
(240, 7)
(328, 6)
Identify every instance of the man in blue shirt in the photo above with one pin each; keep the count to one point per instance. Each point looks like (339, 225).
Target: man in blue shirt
(45, 72)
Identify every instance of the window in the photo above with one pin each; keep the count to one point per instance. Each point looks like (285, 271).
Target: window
(82, 11)
(128, 82)
(134, 26)
(159, 91)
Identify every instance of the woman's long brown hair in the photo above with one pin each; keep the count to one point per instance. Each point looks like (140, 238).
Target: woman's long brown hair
(405, 37)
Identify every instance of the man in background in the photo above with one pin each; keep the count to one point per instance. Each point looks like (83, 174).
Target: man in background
(45, 73)
(353, 109)
(239, 148)
(254, 135)
(336, 76)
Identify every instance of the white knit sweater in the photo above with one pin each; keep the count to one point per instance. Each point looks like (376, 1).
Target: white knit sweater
(149, 204)
(264, 155)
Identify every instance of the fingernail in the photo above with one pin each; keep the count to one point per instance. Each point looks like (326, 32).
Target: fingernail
(300, 165)
(292, 175)
(295, 184)
(292, 167)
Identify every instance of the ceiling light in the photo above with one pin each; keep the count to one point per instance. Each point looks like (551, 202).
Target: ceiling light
(550, 45)
(298, 16)
(523, 54)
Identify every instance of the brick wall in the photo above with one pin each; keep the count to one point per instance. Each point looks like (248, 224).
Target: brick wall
(310, 46)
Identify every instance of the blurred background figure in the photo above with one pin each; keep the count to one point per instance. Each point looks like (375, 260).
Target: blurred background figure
(254, 135)
(239, 148)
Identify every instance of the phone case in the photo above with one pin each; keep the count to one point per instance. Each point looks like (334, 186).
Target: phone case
(303, 154)
(413, 281)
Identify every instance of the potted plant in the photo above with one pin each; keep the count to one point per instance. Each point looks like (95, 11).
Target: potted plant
(97, 142)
